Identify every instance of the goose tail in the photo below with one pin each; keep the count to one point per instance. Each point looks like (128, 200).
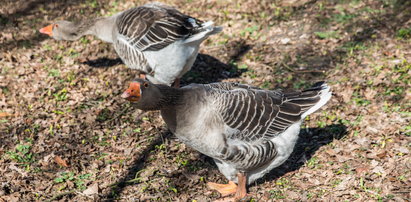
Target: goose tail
(323, 91)
(210, 28)
(204, 31)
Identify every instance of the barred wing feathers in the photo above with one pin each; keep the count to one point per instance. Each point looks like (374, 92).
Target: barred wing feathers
(154, 26)
(262, 113)
(255, 116)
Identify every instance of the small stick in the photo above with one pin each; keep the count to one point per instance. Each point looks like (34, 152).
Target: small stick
(120, 114)
(60, 195)
(300, 71)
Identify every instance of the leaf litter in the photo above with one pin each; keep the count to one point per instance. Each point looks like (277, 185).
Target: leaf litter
(67, 135)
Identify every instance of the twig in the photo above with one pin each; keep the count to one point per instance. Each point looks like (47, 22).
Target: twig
(401, 192)
(60, 195)
(120, 114)
(300, 71)
(125, 182)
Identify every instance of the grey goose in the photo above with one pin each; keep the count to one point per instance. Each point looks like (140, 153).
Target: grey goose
(156, 39)
(246, 130)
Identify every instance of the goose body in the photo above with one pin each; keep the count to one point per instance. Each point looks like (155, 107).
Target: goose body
(154, 38)
(245, 129)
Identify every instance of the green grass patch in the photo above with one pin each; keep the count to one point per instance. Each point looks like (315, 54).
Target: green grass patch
(61, 95)
(360, 100)
(327, 35)
(104, 115)
(404, 33)
(353, 46)
(251, 31)
(344, 17)
(406, 130)
(79, 180)
(54, 72)
(22, 154)
(313, 162)
(266, 85)
(277, 194)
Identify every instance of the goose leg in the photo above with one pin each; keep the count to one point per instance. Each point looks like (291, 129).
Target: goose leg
(176, 83)
(241, 188)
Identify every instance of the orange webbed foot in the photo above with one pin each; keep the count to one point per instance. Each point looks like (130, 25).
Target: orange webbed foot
(224, 189)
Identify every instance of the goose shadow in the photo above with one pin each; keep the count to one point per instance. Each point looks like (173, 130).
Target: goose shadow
(103, 62)
(206, 68)
(309, 141)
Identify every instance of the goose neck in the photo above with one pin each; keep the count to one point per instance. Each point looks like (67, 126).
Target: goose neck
(170, 96)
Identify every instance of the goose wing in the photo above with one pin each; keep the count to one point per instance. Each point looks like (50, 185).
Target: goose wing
(256, 113)
(154, 26)
(253, 116)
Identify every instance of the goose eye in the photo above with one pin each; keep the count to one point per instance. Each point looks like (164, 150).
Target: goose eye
(56, 25)
(145, 84)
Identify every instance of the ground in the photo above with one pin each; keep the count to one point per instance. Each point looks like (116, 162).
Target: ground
(66, 134)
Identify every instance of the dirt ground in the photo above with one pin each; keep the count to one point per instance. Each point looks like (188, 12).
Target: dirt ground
(67, 135)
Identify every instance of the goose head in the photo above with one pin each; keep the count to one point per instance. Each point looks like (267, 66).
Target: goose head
(63, 30)
(146, 95)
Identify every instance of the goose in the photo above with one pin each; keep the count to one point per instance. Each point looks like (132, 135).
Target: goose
(248, 131)
(156, 39)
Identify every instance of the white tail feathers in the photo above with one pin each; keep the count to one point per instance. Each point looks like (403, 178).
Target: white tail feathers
(209, 26)
(207, 29)
(325, 95)
(216, 30)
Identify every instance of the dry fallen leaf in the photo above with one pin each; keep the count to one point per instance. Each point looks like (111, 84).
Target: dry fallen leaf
(361, 170)
(382, 154)
(5, 114)
(19, 170)
(92, 189)
(60, 161)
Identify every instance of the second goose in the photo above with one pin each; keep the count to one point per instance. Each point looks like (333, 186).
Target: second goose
(154, 38)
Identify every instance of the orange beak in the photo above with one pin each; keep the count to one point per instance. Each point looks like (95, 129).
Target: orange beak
(132, 94)
(47, 30)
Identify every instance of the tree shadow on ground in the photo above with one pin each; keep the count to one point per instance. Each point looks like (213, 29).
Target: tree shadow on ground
(138, 165)
(310, 59)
